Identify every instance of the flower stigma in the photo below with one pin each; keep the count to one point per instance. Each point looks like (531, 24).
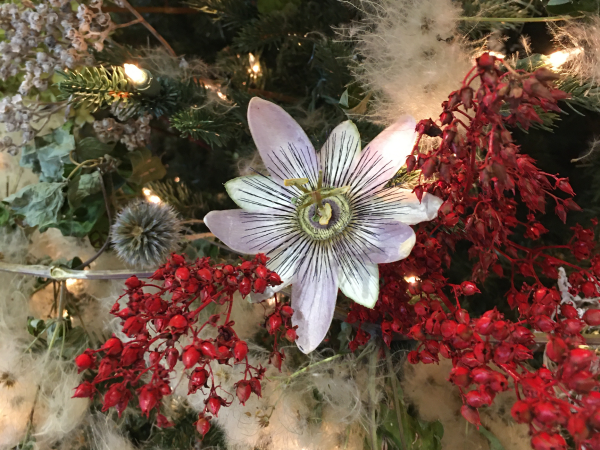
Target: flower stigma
(322, 212)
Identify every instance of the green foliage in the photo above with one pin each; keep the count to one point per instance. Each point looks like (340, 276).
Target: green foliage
(203, 123)
(572, 7)
(146, 167)
(48, 154)
(38, 203)
(82, 186)
(178, 194)
(497, 9)
(91, 148)
(96, 87)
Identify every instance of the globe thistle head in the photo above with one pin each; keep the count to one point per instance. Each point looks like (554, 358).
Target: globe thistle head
(145, 233)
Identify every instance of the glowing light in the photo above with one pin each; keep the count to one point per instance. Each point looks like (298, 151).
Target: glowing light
(177, 179)
(221, 95)
(411, 279)
(71, 282)
(560, 57)
(271, 301)
(152, 198)
(255, 68)
(135, 74)
(497, 55)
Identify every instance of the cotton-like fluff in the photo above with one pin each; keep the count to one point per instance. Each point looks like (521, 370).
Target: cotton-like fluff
(411, 56)
(40, 381)
(426, 386)
(579, 48)
(105, 434)
(12, 176)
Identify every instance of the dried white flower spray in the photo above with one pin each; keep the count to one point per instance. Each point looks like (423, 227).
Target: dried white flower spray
(410, 54)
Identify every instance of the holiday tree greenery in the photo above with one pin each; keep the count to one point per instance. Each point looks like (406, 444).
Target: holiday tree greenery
(123, 125)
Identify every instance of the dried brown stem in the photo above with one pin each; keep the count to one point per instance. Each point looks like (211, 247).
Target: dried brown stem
(149, 27)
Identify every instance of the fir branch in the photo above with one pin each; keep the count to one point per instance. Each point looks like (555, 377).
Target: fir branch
(96, 87)
(230, 13)
(203, 123)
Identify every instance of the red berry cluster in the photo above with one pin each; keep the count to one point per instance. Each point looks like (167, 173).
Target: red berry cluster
(479, 172)
(162, 321)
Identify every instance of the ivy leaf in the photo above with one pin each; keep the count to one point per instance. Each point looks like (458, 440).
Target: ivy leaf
(49, 153)
(79, 222)
(344, 100)
(83, 186)
(38, 203)
(146, 168)
(92, 148)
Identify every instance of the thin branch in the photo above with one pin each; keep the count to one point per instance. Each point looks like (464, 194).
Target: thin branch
(128, 24)
(64, 273)
(518, 19)
(390, 364)
(195, 237)
(149, 27)
(153, 9)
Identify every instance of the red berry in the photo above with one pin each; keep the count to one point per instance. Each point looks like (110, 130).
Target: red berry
(290, 334)
(592, 317)
(190, 357)
(198, 379)
(521, 412)
(133, 282)
(471, 414)
(147, 400)
(84, 361)
(245, 286)
(243, 391)
(460, 376)
(273, 323)
(214, 404)
(84, 390)
(113, 346)
(171, 356)
(545, 441)
(178, 321)
(206, 275)
(182, 274)
(208, 349)
(260, 284)
(202, 425)
(469, 288)
(262, 271)
(286, 311)
(240, 350)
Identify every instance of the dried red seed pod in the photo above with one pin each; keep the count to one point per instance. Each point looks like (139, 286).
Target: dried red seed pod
(84, 361)
(84, 390)
(113, 346)
(214, 404)
(470, 414)
(190, 356)
(245, 286)
(202, 425)
(546, 441)
(592, 317)
(243, 391)
(240, 350)
(133, 282)
(273, 323)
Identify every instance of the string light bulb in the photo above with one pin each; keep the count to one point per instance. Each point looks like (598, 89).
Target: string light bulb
(560, 57)
(255, 69)
(411, 279)
(142, 79)
(150, 197)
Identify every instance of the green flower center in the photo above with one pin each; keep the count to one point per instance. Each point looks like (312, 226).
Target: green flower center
(310, 215)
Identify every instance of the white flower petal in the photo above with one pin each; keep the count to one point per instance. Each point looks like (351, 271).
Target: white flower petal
(399, 204)
(255, 193)
(382, 158)
(340, 151)
(360, 282)
(282, 143)
(253, 232)
(313, 297)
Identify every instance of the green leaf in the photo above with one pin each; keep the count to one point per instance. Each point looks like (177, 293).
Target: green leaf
(49, 153)
(4, 214)
(80, 221)
(38, 203)
(495, 444)
(344, 100)
(92, 148)
(83, 186)
(35, 326)
(146, 168)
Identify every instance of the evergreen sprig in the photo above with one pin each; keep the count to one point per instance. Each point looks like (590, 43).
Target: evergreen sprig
(204, 123)
(96, 87)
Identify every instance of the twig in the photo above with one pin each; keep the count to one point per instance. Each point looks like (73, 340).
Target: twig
(128, 24)
(153, 9)
(149, 27)
(64, 273)
(518, 19)
(107, 242)
(195, 237)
